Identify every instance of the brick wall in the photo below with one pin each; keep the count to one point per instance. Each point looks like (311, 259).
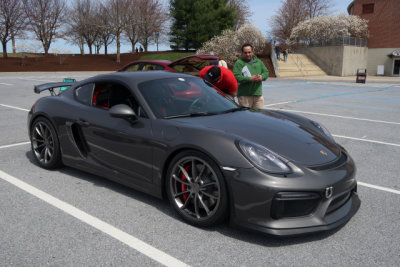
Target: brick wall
(383, 23)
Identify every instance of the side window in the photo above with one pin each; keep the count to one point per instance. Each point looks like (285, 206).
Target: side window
(84, 93)
(149, 66)
(133, 67)
(107, 95)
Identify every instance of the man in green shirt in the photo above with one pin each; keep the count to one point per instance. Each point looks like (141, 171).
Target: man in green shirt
(249, 72)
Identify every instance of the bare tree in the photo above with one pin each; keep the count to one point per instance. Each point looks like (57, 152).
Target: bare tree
(152, 17)
(316, 8)
(86, 12)
(294, 11)
(132, 24)
(12, 21)
(117, 12)
(105, 33)
(44, 18)
(242, 12)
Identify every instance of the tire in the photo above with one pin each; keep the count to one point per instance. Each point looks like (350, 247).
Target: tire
(196, 189)
(45, 144)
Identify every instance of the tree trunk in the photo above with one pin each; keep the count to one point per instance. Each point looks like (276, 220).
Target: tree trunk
(81, 47)
(4, 44)
(14, 50)
(118, 47)
(90, 49)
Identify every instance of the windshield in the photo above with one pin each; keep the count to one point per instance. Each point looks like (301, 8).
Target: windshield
(189, 96)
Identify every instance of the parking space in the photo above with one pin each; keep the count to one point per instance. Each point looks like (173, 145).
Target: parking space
(103, 223)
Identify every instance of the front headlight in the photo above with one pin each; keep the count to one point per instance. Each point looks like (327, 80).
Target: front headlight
(263, 158)
(323, 130)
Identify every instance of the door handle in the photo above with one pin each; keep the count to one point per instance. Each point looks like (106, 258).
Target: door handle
(83, 122)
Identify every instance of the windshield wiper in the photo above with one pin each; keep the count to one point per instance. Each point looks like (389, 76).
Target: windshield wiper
(195, 114)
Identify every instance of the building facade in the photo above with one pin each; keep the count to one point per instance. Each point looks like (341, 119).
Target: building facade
(384, 34)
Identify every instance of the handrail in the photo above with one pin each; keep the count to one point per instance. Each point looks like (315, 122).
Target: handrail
(300, 65)
(274, 61)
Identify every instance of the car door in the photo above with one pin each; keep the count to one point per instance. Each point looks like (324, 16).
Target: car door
(116, 143)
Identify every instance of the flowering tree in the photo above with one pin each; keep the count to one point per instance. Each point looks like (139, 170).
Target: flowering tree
(229, 43)
(326, 28)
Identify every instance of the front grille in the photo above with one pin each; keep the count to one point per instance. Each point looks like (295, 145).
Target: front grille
(294, 204)
(340, 200)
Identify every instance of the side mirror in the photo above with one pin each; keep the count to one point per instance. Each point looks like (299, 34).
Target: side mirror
(123, 111)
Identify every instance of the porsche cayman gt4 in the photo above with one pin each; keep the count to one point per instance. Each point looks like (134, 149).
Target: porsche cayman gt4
(266, 170)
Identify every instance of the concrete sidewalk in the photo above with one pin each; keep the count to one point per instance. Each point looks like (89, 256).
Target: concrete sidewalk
(375, 79)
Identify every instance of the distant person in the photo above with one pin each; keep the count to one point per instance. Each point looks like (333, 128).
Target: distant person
(222, 62)
(220, 77)
(141, 49)
(285, 54)
(278, 52)
(250, 72)
(137, 50)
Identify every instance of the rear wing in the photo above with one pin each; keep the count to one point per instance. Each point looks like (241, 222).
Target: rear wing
(51, 86)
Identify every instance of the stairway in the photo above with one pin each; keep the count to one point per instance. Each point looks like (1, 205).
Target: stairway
(298, 65)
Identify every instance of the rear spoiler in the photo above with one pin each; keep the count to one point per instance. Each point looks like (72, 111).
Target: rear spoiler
(50, 86)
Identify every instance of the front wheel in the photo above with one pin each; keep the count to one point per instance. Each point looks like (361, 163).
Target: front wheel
(196, 189)
(45, 145)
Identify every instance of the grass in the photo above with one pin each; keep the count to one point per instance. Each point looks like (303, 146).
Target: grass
(167, 56)
(20, 55)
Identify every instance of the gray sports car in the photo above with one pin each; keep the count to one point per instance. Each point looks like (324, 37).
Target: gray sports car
(172, 135)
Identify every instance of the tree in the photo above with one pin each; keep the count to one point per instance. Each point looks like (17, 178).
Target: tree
(132, 24)
(229, 43)
(117, 13)
(196, 21)
(151, 18)
(105, 33)
(45, 17)
(12, 21)
(242, 12)
(316, 8)
(325, 28)
(82, 21)
(294, 11)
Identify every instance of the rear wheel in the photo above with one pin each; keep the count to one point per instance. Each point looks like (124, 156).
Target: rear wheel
(196, 189)
(45, 145)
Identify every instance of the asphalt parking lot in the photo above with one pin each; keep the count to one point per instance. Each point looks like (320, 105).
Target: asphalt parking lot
(70, 218)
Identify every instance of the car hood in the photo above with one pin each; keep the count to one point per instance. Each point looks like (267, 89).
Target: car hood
(292, 137)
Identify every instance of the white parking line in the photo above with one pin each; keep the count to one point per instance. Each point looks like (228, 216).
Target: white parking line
(17, 144)
(337, 116)
(7, 106)
(36, 80)
(365, 140)
(6, 84)
(281, 103)
(380, 188)
(106, 228)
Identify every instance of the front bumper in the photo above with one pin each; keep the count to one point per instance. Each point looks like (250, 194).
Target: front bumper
(256, 199)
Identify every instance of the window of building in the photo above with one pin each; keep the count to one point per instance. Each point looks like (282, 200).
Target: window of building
(368, 8)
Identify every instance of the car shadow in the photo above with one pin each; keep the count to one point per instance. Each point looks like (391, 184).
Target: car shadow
(162, 205)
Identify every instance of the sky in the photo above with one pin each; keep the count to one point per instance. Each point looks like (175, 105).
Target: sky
(262, 11)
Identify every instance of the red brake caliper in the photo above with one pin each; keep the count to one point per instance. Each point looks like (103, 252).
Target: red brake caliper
(183, 186)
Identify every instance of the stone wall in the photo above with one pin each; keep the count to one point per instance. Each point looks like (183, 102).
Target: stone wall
(338, 60)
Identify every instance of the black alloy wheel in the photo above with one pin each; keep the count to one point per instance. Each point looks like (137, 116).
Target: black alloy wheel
(45, 145)
(196, 189)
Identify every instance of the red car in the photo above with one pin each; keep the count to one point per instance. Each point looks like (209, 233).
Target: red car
(191, 64)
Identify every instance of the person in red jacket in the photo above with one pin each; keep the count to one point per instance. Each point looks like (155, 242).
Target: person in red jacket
(220, 77)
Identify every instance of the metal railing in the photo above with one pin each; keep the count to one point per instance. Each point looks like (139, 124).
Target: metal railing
(300, 65)
(274, 62)
(352, 41)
